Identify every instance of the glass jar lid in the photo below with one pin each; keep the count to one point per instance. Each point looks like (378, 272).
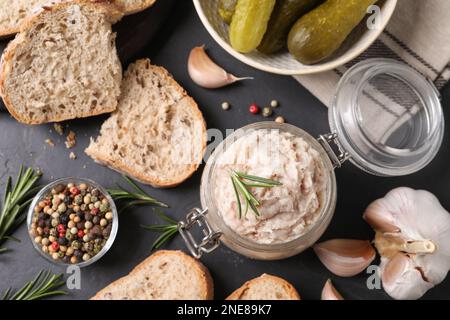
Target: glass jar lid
(387, 118)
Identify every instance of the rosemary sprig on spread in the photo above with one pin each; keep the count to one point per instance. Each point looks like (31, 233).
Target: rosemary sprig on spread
(137, 197)
(168, 230)
(42, 286)
(15, 199)
(242, 190)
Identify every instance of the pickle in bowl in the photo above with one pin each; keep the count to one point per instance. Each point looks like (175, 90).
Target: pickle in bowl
(226, 10)
(249, 24)
(285, 14)
(319, 33)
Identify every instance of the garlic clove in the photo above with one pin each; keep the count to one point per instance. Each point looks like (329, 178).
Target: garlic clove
(345, 257)
(379, 221)
(329, 292)
(402, 280)
(394, 268)
(206, 73)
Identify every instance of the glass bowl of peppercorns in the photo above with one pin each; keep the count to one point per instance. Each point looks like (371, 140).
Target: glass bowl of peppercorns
(73, 221)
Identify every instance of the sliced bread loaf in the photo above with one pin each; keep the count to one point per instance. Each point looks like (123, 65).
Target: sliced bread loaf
(63, 64)
(157, 135)
(165, 275)
(13, 13)
(265, 287)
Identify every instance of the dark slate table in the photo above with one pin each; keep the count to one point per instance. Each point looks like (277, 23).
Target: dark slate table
(174, 31)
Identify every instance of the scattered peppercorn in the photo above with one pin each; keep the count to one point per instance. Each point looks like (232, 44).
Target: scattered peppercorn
(225, 106)
(254, 109)
(274, 104)
(72, 222)
(279, 119)
(267, 112)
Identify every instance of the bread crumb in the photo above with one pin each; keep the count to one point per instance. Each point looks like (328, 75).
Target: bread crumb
(72, 156)
(84, 166)
(58, 128)
(71, 140)
(50, 142)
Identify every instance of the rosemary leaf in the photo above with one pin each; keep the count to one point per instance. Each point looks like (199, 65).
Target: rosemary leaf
(134, 185)
(241, 189)
(165, 237)
(16, 199)
(137, 197)
(168, 231)
(165, 217)
(258, 179)
(238, 198)
(43, 285)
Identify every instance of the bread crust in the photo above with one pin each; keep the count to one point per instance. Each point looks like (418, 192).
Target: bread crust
(113, 12)
(132, 10)
(6, 33)
(238, 293)
(123, 168)
(207, 283)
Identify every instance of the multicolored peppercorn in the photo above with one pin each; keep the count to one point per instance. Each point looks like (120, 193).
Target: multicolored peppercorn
(72, 223)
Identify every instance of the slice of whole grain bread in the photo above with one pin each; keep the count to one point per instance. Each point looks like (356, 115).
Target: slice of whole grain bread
(63, 64)
(157, 135)
(165, 275)
(14, 12)
(266, 287)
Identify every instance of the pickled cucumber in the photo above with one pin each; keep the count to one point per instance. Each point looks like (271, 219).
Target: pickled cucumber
(249, 23)
(226, 10)
(319, 33)
(285, 14)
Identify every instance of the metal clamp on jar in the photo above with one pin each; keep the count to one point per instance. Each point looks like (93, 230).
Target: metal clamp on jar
(385, 118)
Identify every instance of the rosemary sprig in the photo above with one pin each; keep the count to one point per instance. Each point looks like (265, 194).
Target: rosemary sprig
(42, 286)
(15, 199)
(138, 197)
(168, 230)
(242, 190)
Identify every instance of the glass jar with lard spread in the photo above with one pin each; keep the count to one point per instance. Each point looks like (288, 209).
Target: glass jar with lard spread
(269, 190)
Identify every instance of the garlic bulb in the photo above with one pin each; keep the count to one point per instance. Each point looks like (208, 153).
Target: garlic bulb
(329, 292)
(413, 239)
(207, 74)
(345, 257)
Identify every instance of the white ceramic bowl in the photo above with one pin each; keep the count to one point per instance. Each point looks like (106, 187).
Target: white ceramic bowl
(283, 63)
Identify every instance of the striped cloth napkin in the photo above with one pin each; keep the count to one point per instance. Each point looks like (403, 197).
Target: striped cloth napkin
(418, 34)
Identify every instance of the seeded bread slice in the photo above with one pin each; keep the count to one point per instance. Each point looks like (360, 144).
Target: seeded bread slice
(14, 12)
(165, 275)
(63, 64)
(265, 287)
(157, 135)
